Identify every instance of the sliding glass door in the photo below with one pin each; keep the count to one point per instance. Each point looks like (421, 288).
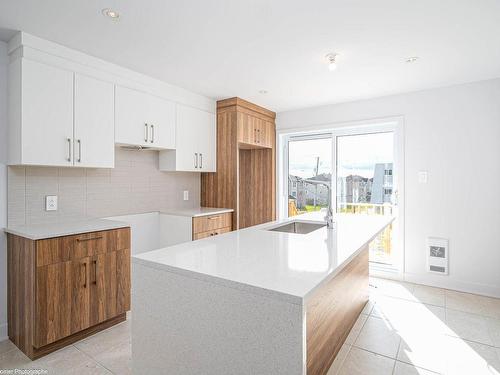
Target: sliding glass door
(361, 165)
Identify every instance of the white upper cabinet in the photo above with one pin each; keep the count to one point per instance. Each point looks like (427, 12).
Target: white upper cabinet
(195, 142)
(144, 120)
(94, 139)
(58, 118)
(40, 114)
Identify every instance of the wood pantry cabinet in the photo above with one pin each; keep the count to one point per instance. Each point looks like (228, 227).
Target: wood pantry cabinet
(246, 156)
(65, 288)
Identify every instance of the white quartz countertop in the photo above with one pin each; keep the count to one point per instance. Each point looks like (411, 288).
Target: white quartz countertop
(197, 211)
(65, 228)
(280, 265)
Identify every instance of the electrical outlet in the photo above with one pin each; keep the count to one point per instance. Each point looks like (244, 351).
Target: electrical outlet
(51, 203)
(186, 195)
(422, 177)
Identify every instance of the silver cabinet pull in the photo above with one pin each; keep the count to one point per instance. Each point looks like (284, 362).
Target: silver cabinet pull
(145, 132)
(79, 150)
(69, 149)
(201, 161)
(258, 135)
(196, 160)
(254, 135)
(152, 133)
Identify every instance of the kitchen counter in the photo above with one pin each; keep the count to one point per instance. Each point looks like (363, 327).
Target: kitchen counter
(252, 301)
(64, 228)
(197, 211)
(285, 265)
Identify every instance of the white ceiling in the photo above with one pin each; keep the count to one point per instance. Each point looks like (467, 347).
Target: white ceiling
(224, 48)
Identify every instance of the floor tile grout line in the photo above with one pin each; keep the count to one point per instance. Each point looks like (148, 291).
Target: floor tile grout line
(93, 359)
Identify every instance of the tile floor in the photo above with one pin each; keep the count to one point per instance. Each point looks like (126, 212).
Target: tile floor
(405, 329)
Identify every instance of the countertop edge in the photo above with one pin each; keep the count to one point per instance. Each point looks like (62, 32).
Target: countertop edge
(199, 214)
(273, 294)
(98, 227)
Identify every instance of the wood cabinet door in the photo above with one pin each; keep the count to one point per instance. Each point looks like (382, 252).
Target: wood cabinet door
(103, 287)
(53, 303)
(80, 298)
(110, 285)
(47, 114)
(266, 134)
(94, 145)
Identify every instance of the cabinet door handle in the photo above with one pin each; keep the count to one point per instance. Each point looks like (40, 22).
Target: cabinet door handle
(95, 273)
(258, 135)
(85, 278)
(196, 160)
(213, 217)
(79, 150)
(254, 135)
(145, 132)
(152, 133)
(201, 161)
(89, 239)
(69, 149)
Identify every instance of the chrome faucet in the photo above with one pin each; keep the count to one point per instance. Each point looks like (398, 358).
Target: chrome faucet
(329, 212)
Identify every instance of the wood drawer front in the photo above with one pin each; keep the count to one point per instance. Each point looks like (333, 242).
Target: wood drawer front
(211, 233)
(62, 249)
(53, 250)
(212, 222)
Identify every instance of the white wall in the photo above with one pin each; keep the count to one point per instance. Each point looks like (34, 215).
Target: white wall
(3, 189)
(454, 134)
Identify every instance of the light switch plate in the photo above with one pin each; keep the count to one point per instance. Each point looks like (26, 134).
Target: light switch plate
(422, 177)
(51, 203)
(186, 195)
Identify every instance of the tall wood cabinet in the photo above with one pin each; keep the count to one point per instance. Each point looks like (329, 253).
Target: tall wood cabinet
(246, 156)
(65, 288)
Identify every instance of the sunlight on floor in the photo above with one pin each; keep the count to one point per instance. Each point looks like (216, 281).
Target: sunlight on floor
(414, 329)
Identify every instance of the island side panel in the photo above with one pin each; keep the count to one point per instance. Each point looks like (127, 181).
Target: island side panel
(182, 325)
(332, 311)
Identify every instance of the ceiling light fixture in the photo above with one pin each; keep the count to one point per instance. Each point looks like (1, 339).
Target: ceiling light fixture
(412, 59)
(331, 59)
(263, 91)
(113, 14)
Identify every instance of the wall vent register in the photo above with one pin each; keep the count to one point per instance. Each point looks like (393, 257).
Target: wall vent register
(437, 255)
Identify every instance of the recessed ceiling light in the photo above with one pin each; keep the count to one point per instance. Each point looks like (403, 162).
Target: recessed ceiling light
(263, 91)
(113, 14)
(331, 59)
(412, 59)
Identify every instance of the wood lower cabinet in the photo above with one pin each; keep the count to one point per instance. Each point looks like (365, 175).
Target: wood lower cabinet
(212, 225)
(63, 289)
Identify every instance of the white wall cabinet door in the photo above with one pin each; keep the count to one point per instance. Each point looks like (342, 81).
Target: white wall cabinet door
(207, 139)
(131, 111)
(161, 122)
(194, 142)
(94, 140)
(46, 115)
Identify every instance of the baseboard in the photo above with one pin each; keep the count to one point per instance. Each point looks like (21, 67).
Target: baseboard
(447, 283)
(4, 335)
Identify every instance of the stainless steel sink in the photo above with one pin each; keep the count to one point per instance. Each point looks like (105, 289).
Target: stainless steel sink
(299, 227)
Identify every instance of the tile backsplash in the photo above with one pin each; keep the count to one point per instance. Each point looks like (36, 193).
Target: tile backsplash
(135, 185)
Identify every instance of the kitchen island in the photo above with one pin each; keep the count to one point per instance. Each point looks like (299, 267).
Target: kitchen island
(253, 301)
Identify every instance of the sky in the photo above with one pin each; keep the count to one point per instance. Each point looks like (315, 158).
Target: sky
(356, 154)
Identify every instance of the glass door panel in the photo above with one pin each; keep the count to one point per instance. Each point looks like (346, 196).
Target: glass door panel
(365, 183)
(309, 173)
